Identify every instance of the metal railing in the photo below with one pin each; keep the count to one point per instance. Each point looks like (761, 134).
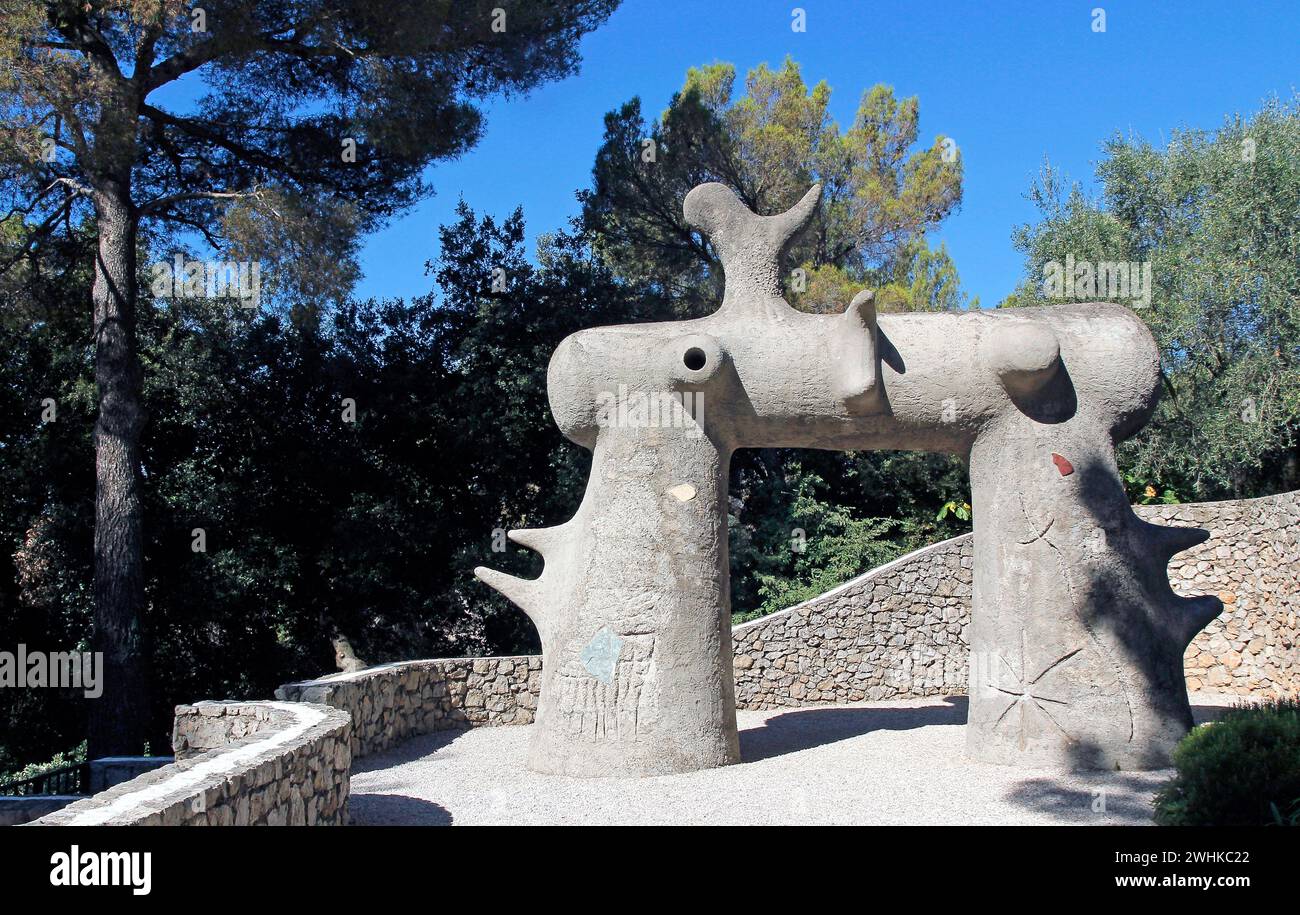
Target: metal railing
(73, 779)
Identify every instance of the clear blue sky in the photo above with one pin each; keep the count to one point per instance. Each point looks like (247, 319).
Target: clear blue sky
(1011, 82)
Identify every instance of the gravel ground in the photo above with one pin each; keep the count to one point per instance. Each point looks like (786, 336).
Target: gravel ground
(887, 763)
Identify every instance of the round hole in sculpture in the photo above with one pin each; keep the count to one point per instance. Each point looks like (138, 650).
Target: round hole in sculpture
(694, 359)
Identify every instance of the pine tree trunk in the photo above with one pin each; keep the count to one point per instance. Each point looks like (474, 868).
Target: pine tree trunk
(120, 718)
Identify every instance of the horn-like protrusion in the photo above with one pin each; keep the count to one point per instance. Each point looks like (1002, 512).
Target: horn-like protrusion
(750, 246)
(522, 591)
(784, 227)
(1167, 542)
(857, 368)
(1192, 614)
(862, 309)
(538, 539)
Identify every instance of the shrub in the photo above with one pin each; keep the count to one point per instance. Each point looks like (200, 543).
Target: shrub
(1242, 770)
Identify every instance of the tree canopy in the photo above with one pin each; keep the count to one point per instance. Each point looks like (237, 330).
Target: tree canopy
(1214, 215)
(316, 123)
(880, 194)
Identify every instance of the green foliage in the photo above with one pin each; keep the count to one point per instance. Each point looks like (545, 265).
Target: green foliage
(317, 121)
(71, 757)
(46, 493)
(824, 547)
(1242, 770)
(879, 194)
(795, 535)
(1214, 213)
(314, 525)
(959, 510)
(1142, 493)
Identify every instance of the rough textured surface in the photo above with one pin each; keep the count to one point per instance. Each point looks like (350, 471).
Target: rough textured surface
(291, 768)
(392, 702)
(901, 630)
(1076, 632)
(891, 763)
(897, 631)
(206, 726)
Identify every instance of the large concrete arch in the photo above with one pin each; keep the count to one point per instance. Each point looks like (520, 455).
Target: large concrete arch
(1076, 635)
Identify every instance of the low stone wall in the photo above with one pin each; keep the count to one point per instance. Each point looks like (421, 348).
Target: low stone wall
(897, 631)
(392, 702)
(290, 766)
(206, 726)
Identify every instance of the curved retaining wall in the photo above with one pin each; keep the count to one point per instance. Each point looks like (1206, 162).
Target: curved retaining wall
(238, 764)
(897, 631)
(392, 702)
(1252, 561)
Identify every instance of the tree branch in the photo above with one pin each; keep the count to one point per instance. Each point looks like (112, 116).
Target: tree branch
(39, 232)
(159, 204)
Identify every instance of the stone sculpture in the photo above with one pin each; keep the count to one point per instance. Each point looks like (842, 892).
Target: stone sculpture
(1076, 636)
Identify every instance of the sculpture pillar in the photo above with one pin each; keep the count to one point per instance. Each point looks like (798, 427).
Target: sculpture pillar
(634, 610)
(1076, 637)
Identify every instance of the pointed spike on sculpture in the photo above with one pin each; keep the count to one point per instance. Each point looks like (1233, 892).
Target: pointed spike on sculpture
(785, 226)
(1192, 614)
(538, 539)
(521, 591)
(750, 246)
(1169, 541)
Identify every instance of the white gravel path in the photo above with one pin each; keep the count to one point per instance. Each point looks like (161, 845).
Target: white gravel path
(888, 763)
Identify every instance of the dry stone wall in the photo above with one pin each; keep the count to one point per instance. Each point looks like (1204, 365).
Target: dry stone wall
(1252, 562)
(392, 702)
(238, 764)
(899, 630)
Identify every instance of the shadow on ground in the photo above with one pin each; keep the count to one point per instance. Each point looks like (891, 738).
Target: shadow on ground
(1090, 797)
(1100, 796)
(407, 751)
(805, 728)
(396, 810)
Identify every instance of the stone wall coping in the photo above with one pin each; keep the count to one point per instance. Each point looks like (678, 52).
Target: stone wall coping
(377, 669)
(165, 786)
(1243, 503)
